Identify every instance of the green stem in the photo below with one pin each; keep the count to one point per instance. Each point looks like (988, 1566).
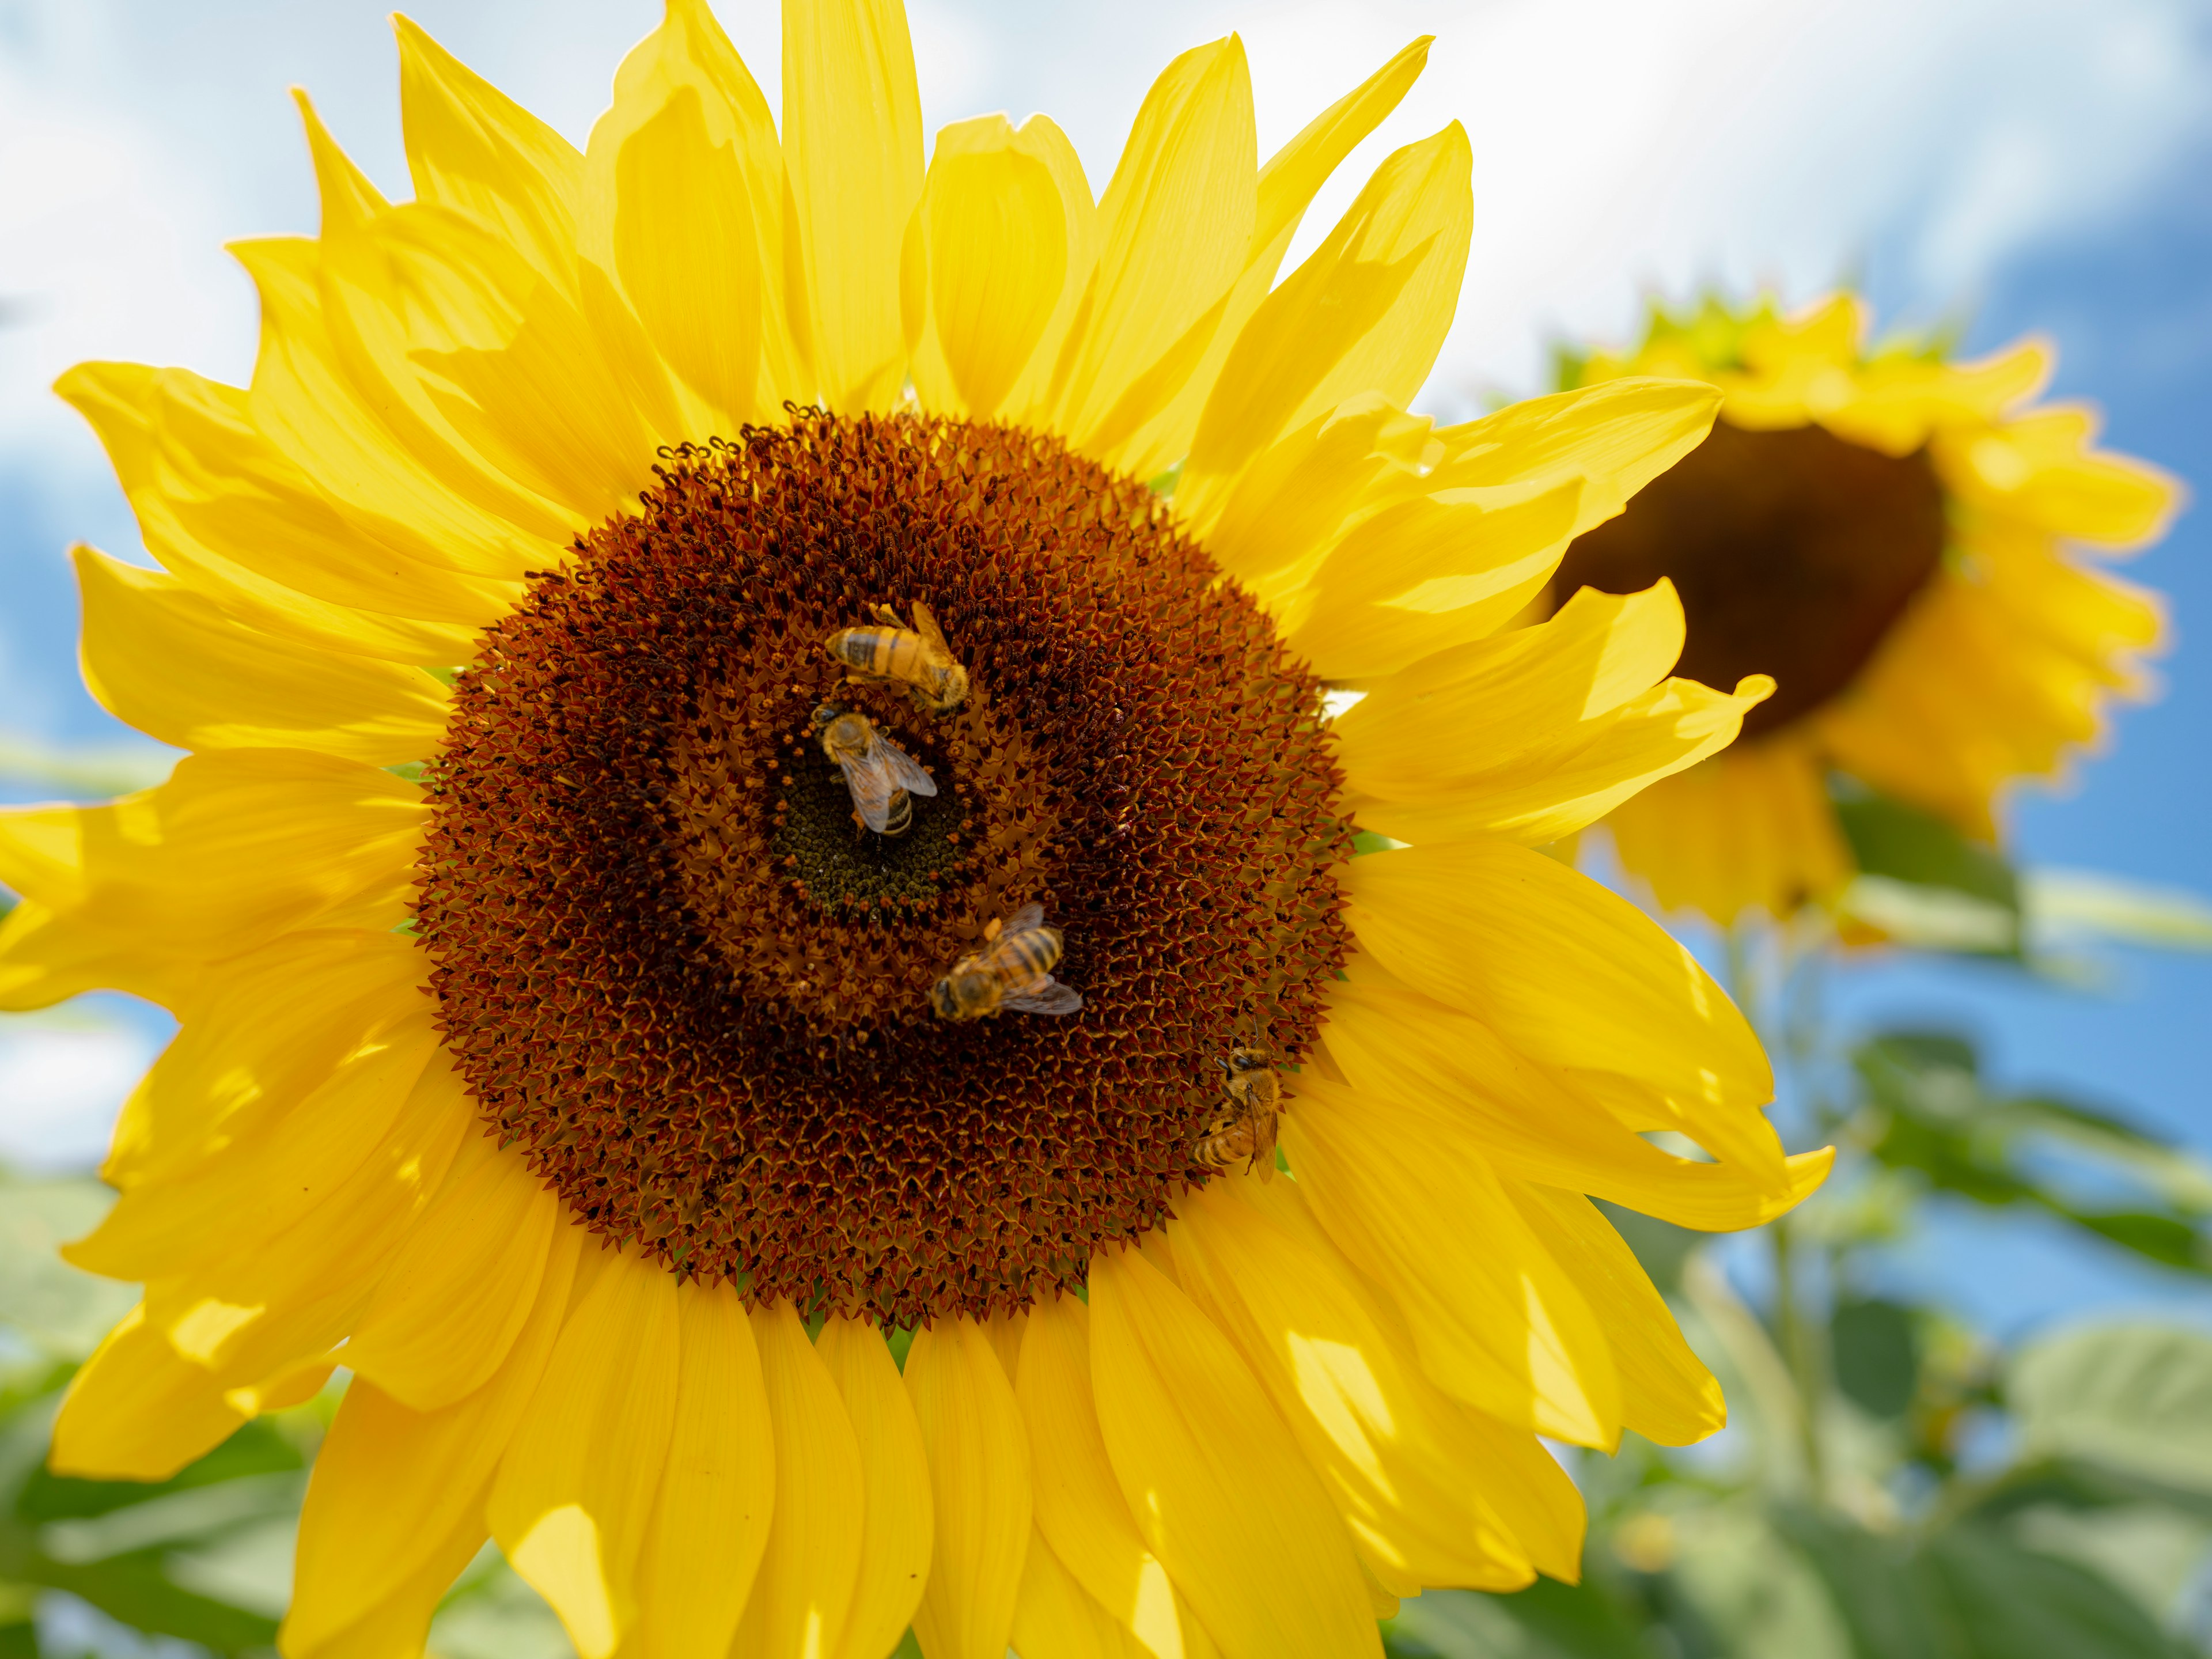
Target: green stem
(1800, 1351)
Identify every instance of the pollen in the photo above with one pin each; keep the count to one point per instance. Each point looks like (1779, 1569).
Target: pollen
(679, 975)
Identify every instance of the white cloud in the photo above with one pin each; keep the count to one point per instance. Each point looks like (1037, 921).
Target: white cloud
(63, 1078)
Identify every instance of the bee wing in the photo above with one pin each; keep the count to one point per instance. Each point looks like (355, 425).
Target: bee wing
(1050, 998)
(926, 625)
(872, 787)
(905, 770)
(1026, 920)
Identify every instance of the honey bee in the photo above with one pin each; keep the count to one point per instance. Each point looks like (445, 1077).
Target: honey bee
(881, 776)
(1013, 970)
(916, 658)
(1248, 1133)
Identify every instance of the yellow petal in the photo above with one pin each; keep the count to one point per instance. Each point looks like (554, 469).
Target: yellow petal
(899, 1519)
(1414, 1061)
(228, 500)
(1174, 228)
(390, 1484)
(575, 1490)
(742, 364)
(804, 1588)
(851, 126)
(473, 148)
(1579, 726)
(135, 1411)
(997, 240)
(711, 1517)
(979, 1481)
(257, 1187)
(1529, 685)
(393, 280)
(1053, 1619)
(1406, 1480)
(1287, 185)
(1616, 437)
(1367, 312)
(1667, 1393)
(271, 1306)
(397, 1627)
(238, 846)
(454, 1299)
(1272, 525)
(1430, 573)
(256, 1039)
(1496, 1321)
(1577, 979)
(161, 657)
(2040, 468)
(45, 958)
(1079, 1510)
(1213, 1478)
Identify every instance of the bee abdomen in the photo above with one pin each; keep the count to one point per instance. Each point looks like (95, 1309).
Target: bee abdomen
(1035, 951)
(898, 817)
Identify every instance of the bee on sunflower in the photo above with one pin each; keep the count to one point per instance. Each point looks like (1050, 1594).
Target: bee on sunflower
(1891, 535)
(558, 1051)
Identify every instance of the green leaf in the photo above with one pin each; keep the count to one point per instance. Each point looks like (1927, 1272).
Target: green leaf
(1922, 881)
(1877, 1355)
(1998, 1600)
(258, 1448)
(1935, 1117)
(64, 1311)
(1548, 1620)
(2135, 1397)
(135, 1589)
(2090, 906)
(1873, 1581)
(19, 1639)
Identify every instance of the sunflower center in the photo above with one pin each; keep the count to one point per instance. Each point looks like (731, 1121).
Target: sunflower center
(676, 968)
(1795, 553)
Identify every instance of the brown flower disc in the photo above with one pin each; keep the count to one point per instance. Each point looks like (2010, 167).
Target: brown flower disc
(1795, 553)
(674, 970)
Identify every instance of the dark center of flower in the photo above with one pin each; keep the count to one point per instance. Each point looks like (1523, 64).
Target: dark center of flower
(674, 969)
(1795, 553)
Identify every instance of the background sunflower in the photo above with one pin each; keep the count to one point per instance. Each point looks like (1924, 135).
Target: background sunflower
(1889, 533)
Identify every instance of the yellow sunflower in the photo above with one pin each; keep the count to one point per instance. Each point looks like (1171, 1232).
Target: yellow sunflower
(557, 1053)
(1888, 534)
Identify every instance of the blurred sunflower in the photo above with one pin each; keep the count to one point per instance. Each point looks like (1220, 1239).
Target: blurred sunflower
(1887, 534)
(555, 1055)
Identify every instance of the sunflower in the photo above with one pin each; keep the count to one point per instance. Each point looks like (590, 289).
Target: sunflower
(557, 1054)
(1887, 533)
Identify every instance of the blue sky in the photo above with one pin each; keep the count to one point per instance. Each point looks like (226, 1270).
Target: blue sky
(2033, 164)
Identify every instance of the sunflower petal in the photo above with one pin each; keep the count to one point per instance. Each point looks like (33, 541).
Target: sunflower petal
(1216, 1483)
(1411, 1060)
(390, 1484)
(852, 116)
(1080, 1512)
(1174, 227)
(805, 1589)
(136, 1411)
(997, 238)
(1667, 1393)
(711, 1517)
(979, 1479)
(573, 1499)
(398, 1625)
(1384, 1438)
(899, 1528)
(473, 148)
(1498, 1323)
(256, 1040)
(1577, 979)
(166, 660)
(1367, 313)
(1053, 1619)
(455, 1297)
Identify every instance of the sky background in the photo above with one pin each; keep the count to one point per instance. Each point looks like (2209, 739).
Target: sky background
(2037, 164)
